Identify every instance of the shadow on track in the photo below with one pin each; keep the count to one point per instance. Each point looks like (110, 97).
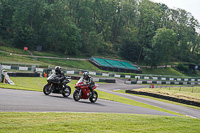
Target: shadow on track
(88, 102)
(58, 96)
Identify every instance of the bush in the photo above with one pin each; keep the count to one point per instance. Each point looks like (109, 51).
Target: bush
(183, 68)
(195, 72)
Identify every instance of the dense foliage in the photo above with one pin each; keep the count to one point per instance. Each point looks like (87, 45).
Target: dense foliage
(137, 30)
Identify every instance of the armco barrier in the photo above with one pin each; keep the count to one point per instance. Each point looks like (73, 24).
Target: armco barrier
(162, 82)
(24, 74)
(165, 97)
(1, 73)
(153, 78)
(96, 79)
(107, 80)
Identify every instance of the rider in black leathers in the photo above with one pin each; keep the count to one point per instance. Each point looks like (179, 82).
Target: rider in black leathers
(60, 75)
(89, 81)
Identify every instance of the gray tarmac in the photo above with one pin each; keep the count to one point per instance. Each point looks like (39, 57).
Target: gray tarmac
(31, 101)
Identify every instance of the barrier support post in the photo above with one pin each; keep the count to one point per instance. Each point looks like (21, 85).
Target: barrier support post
(4, 79)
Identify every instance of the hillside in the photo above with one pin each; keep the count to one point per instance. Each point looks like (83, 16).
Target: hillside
(73, 64)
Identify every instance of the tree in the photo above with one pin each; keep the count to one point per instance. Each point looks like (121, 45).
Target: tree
(71, 37)
(162, 48)
(130, 48)
(149, 15)
(93, 44)
(6, 13)
(26, 21)
(184, 25)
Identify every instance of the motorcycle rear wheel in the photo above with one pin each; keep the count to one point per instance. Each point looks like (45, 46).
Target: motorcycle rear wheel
(47, 89)
(76, 95)
(94, 97)
(66, 91)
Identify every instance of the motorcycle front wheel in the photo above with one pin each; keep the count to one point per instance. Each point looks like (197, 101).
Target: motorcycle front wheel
(94, 97)
(76, 95)
(66, 91)
(47, 89)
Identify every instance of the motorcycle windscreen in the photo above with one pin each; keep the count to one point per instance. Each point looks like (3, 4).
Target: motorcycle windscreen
(51, 76)
(80, 80)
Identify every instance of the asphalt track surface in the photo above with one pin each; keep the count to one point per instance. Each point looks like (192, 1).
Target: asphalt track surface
(31, 101)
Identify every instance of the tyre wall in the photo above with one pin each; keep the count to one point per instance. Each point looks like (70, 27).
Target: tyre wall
(165, 97)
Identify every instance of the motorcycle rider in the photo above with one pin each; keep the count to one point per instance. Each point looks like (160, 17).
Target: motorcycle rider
(60, 75)
(89, 81)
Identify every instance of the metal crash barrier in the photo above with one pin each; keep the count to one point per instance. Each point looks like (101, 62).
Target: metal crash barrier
(1, 74)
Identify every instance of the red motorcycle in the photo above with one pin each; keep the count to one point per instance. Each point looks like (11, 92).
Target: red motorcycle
(82, 91)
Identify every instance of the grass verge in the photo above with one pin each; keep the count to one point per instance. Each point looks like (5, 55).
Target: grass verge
(14, 50)
(187, 93)
(80, 64)
(19, 59)
(158, 99)
(94, 122)
(162, 71)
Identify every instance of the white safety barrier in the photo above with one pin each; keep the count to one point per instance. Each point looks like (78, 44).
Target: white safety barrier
(39, 69)
(6, 67)
(70, 72)
(23, 68)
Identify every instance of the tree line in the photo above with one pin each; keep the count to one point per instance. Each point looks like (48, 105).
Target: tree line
(137, 30)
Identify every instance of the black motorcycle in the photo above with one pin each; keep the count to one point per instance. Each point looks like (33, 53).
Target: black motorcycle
(54, 85)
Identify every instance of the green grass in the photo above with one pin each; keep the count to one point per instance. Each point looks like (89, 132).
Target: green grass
(36, 53)
(57, 54)
(4, 57)
(36, 84)
(95, 123)
(162, 71)
(14, 50)
(80, 64)
(50, 54)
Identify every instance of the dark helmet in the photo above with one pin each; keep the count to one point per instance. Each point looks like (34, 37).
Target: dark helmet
(86, 75)
(57, 69)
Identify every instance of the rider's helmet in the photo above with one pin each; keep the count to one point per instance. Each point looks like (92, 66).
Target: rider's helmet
(86, 76)
(57, 70)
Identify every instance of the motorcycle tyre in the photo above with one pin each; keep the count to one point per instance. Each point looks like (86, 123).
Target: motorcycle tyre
(44, 89)
(75, 95)
(94, 97)
(67, 94)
